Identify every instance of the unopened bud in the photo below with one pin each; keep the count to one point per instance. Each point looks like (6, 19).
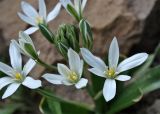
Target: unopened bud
(87, 37)
(67, 37)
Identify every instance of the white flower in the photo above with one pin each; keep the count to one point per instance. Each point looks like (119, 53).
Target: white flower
(68, 76)
(112, 72)
(25, 39)
(16, 75)
(32, 17)
(78, 6)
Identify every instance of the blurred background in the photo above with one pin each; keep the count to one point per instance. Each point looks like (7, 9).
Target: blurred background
(135, 23)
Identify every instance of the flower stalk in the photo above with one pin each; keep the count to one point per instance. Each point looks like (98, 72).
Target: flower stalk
(51, 67)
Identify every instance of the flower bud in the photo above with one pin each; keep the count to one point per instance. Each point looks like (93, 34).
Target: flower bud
(26, 46)
(87, 37)
(67, 37)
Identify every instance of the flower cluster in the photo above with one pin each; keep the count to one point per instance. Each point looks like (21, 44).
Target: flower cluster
(67, 42)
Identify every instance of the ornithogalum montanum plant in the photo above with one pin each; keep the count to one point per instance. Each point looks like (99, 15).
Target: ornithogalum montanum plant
(74, 41)
(34, 18)
(17, 75)
(113, 70)
(68, 76)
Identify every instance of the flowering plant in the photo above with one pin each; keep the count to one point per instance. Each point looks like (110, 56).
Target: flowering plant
(86, 71)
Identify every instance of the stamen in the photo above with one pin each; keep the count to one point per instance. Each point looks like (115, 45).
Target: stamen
(110, 73)
(73, 77)
(39, 20)
(18, 76)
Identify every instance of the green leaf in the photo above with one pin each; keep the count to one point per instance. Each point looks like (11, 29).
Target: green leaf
(73, 12)
(10, 108)
(54, 106)
(76, 106)
(47, 33)
(146, 83)
(28, 47)
(48, 106)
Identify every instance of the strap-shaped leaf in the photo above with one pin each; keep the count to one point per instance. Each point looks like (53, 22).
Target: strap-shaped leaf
(73, 12)
(48, 106)
(28, 47)
(76, 107)
(47, 33)
(146, 83)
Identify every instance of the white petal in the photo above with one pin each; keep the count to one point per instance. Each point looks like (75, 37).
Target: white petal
(6, 69)
(65, 3)
(97, 72)
(29, 10)
(15, 57)
(63, 70)
(5, 81)
(54, 78)
(109, 89)
(29, 66)
(27, 19)
(81, 68)
(74, 61)
(25, 38)
(123, 78)
(77, 5)
(113, 54)
(81, 83)
(31, 30)
(10, 90)
(17, 45)
(93, 60)
(132, 62)
(83, 4)
(54, 13)
(42, 8)
(67, 83)
(32, 83)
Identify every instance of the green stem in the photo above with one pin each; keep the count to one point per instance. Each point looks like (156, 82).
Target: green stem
(51, 67)
(98, 95)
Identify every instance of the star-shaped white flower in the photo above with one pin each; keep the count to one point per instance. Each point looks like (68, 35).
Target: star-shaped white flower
(78, 6)
(112, 72)
(16, 75)
(32, 17)
(68, 76)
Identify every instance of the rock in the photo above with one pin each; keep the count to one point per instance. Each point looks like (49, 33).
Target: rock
(130, 21)
(154, 109)
(108, 18)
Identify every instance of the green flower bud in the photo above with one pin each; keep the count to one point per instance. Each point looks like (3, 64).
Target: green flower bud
(67, 37)
(26, 46)
(87, 37)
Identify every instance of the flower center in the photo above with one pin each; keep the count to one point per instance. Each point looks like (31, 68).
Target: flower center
(73, 77)
(110, 73)
(18, 76)
(39, 20)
